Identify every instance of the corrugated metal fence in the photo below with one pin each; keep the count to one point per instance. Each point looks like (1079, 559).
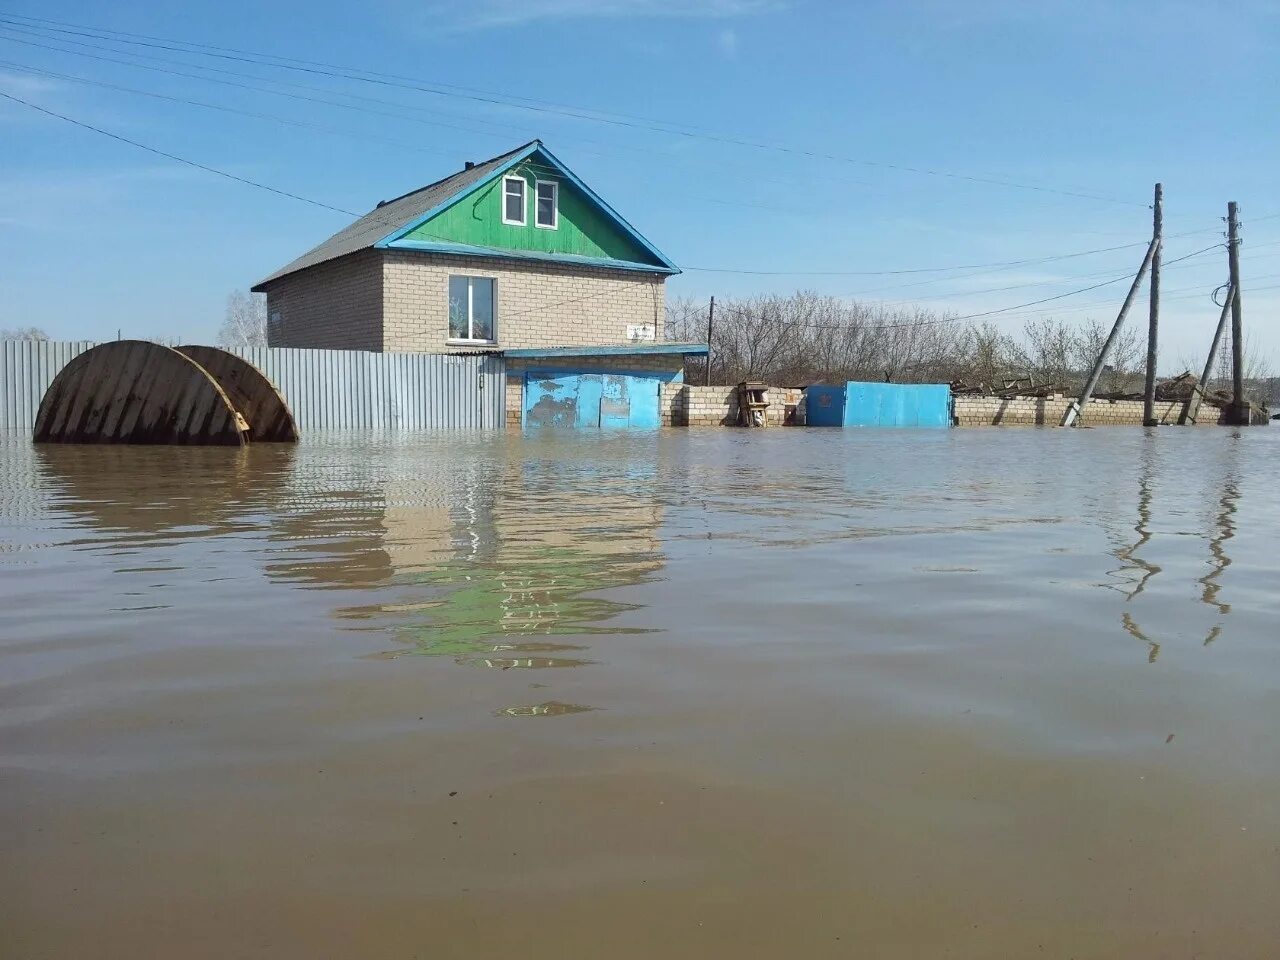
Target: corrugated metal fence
(27, 367)
(326, 389)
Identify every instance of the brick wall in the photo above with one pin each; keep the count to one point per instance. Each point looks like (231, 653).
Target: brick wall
(689, 405)
(335, 305)
(538, 304)
(662, 363)
(993, 411)
(398, 300)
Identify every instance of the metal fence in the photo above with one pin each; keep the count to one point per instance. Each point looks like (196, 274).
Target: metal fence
(326, 389)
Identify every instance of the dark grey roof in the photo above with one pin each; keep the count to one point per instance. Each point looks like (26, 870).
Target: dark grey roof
(389, 216)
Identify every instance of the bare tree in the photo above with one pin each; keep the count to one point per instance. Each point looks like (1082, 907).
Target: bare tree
(806, 337)
(245, 324)
(24, 333)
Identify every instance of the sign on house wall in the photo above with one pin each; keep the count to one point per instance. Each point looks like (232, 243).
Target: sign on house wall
(637, 332)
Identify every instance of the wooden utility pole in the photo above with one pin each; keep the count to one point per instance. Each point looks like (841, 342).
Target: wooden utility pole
(1153, 317)
(1239, 408)
(1073, 409)
(711, 319)
(1192, 409)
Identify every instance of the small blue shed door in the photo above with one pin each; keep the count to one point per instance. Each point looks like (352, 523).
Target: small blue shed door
(610, 401)
(824, 405)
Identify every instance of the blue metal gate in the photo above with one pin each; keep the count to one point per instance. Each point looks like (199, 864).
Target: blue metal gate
(897, 405)
(859, 404)
(608, 401)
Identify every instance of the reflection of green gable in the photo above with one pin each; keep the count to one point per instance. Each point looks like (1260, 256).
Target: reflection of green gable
(584, 230)
(588, 230)
(490, 610)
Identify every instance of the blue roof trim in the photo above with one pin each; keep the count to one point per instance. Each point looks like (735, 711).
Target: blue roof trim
(394, 240)
(498, 252)
(460, 195)
(617, 217)
(618, 350)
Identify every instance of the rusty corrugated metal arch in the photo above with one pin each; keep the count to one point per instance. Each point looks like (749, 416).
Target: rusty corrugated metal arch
(132, 391)
(253, 396)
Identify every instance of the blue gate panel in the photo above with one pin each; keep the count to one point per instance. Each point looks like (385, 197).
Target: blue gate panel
(610, 401)
(824, 405)
(550, 401)
(589, 393)
(897, 405)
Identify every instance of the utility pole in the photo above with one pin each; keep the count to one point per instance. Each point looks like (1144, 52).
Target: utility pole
(1153, 317)
(1076, 406)
(711, 318)
(1239, 409)
(1192, 408)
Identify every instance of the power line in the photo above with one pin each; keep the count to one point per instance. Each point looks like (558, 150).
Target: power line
(221, 173)
(1034, 283)
(397, 111)
(104, 33)
(914, 270)
(985, 313)
(177, 159)
(254, 183)
(323, 128)
(506, 101)
(326, 206)
(868, 273)
(24, 68)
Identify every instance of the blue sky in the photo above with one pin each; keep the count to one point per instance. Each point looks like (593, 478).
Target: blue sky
(1087, 97)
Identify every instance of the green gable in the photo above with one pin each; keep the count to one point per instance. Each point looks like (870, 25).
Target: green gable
(462, 214)
(584, 230)
(587, 230)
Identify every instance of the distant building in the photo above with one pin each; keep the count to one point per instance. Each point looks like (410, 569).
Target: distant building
(515, 254)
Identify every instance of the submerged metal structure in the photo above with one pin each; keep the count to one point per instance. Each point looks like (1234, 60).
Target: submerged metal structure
(134, 391)
(252, 395)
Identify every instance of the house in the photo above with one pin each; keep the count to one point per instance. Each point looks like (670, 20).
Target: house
(516, 255)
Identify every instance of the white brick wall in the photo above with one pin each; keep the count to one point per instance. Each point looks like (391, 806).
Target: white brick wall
(335, 305)
(1028, 411)
(538, 304)
(690, 405)
(398, 300)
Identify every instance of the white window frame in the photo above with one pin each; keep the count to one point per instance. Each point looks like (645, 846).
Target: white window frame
(555, 204)
(524, 201)
(471, 320)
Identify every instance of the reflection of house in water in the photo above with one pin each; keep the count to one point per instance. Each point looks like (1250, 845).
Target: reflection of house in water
(485, 553)
(530, 551)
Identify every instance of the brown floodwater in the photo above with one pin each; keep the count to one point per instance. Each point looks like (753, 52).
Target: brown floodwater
(906, 695)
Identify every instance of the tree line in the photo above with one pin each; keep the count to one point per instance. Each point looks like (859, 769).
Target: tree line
(804, 337)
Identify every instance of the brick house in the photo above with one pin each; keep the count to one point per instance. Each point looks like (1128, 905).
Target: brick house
(515, 254)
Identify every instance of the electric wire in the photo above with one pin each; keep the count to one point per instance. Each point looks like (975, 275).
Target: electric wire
(346, 74)
(330, 207)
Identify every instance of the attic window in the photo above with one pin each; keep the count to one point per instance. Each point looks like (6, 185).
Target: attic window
(513, 205)
(547, 205)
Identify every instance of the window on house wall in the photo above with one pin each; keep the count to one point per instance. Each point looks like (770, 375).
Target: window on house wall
(547, 205)
(471, 309)
(513, 205)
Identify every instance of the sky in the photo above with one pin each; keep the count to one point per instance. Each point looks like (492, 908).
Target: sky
(764, 145)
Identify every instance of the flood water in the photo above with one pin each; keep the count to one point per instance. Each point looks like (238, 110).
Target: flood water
(784, 693)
